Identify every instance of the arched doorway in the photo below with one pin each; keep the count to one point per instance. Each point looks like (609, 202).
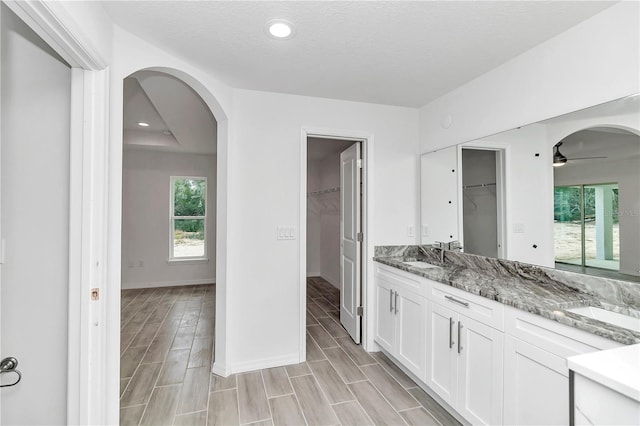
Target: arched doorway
(596, 175)
(166, 89)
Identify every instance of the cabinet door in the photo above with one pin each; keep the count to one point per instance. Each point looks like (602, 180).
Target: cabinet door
(480, 372)
(441, 350)
(536, 389)
(385, 316)
(411, 330)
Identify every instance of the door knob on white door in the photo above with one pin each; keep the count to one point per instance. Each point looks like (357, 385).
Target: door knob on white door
(8, 365)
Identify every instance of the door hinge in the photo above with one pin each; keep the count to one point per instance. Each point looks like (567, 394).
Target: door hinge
(359, 163)
(359, 237)
(360, 311)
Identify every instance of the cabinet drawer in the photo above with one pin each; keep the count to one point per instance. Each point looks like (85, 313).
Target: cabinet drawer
(475, 307)
(404, 280)
(559, 339)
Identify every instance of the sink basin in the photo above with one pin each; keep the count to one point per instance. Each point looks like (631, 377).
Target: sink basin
(621, 320)
(418, 264)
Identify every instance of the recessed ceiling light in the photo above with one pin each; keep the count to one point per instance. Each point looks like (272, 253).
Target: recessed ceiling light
(279, 28)
(143, 124)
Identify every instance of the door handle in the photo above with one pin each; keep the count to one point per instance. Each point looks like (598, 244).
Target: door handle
(460, 348)
(390, 300)
(8, 365)
(396, 303)
(451, 342)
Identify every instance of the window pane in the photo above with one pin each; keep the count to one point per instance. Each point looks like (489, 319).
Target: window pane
(189, 197)
(188, 238)
(567, 227)
(602, 236)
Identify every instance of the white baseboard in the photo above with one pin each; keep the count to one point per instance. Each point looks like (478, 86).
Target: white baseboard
(220, 370)
(330, 281)
(313, 274)
(128, 286)
(265, 363)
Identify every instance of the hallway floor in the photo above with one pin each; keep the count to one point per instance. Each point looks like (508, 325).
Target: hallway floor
(167, 345)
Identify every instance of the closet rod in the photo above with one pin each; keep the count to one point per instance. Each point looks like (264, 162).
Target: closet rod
(325, 191)
(480, 185)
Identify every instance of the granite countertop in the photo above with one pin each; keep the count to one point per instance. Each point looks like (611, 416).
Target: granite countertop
(519, 285)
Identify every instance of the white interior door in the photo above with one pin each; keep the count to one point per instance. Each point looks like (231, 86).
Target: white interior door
(350, 246)
(34, 184)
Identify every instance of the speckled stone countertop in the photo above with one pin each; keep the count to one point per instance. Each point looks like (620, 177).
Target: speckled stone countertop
(542, 291)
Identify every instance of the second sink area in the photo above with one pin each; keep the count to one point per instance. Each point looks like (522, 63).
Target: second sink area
(621, 320)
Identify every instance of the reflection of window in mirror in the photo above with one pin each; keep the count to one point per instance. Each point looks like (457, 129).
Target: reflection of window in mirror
(596, 186)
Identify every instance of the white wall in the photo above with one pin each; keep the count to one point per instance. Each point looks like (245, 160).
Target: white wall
(594, 62)
(36, 90)
(266, 162)
(145, 218)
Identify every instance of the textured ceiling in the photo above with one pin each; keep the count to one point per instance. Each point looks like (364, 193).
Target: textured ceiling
(397, 53)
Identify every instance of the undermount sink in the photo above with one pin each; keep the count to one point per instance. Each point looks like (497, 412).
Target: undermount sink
(621, 320)
(419, 264)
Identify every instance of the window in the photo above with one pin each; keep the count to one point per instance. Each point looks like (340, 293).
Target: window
(188, 218)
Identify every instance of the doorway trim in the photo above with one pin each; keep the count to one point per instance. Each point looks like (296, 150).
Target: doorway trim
(86, 365)
(367, 140)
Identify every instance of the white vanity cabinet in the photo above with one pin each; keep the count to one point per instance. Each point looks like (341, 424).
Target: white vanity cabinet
(464, 355)
(401, 322)
(536, 387)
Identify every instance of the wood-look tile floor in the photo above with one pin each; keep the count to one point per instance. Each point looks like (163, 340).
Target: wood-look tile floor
(166, 354)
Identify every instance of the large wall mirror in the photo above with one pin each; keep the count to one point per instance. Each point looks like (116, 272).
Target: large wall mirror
(563, 192)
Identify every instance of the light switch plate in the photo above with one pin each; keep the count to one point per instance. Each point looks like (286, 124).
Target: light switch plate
(411, 231)
(286, 233)
(518, 228)
(425, 230)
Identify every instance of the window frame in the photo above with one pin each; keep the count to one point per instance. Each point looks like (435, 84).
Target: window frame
(173, 217)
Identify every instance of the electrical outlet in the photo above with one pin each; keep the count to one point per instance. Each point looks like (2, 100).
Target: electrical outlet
(411, 231)
(518, 228)
(140, 263)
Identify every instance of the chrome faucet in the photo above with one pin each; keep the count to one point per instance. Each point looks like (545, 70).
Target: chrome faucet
(450, 246)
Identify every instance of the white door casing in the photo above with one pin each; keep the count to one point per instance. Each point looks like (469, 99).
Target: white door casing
(350, 240)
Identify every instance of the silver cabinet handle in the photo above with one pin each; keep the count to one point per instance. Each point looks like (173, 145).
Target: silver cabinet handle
(459, 339)
(454, 300)
(451, 342)
(390, 300)
(396, 303)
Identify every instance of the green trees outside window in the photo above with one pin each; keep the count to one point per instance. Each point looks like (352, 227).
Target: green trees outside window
(188, 217)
